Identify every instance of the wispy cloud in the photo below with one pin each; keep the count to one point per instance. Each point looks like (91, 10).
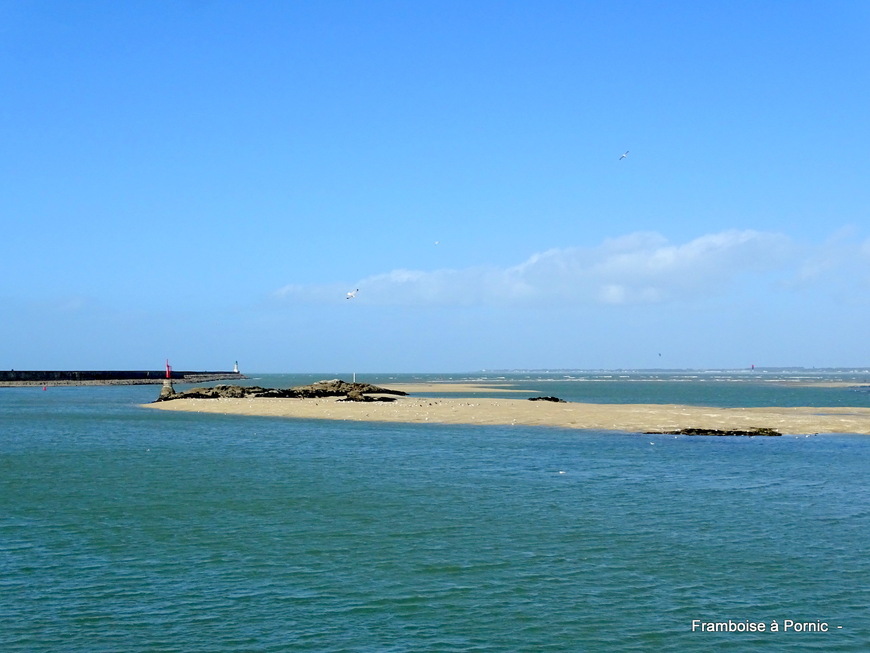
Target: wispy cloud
(842, 258)
(639, 268)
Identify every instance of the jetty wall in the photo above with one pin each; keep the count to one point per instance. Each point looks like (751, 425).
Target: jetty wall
(109, 377)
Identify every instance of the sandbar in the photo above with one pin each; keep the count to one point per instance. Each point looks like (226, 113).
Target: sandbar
(636, 418)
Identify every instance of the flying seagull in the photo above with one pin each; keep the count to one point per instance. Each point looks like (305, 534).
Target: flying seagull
(624, 155)
(352, 294)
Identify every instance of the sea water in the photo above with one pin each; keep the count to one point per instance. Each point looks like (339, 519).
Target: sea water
(129, 529)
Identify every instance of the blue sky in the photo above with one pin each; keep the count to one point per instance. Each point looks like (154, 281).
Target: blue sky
(204, 181)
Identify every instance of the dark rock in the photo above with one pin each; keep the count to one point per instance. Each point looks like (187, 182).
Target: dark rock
(358, 396)
(698, 431)
(555, 399)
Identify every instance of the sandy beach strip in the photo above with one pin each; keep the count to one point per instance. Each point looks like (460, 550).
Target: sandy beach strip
(635, 418)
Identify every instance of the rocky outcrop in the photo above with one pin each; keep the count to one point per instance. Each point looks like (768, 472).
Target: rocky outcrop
(337, 387)
(333, 388)
(555, 399)
(698, 431)
(357, 395)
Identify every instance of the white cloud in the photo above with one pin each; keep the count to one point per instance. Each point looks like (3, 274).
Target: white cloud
(842, 260)
(312, 293)
(637, 268)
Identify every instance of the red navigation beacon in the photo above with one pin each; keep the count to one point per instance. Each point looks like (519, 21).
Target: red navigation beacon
(168, 369)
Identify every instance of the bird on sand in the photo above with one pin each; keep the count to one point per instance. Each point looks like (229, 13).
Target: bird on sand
(625, 154)
(352, 294)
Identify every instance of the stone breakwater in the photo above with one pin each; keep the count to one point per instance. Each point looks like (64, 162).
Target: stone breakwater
(13, 378)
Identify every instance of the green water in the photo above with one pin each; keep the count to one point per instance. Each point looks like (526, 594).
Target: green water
(124, 529)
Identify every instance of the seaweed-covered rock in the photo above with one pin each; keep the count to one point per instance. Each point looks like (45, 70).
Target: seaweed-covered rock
(339, 388)
(699, 431)
(554, 399)
(333, 388)
(355, 395)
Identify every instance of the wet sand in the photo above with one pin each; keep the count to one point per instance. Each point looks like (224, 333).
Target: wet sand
(636, 418)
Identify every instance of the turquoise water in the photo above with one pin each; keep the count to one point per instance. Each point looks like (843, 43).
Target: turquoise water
(125, 529)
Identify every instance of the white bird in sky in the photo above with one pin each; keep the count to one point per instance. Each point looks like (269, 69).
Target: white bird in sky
(624, 155)
(352, 294)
